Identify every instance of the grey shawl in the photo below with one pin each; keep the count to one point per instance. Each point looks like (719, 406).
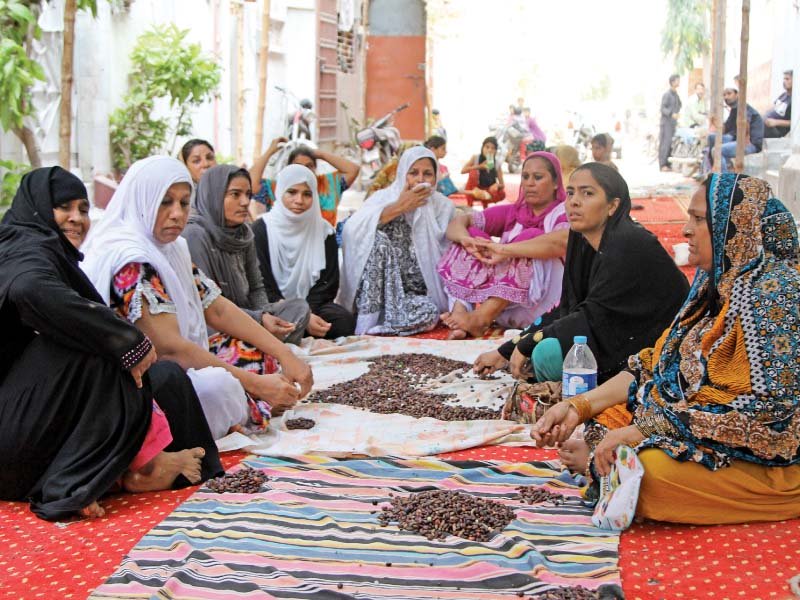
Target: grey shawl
(226, 254)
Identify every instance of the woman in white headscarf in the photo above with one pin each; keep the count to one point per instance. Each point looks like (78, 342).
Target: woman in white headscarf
(141, 266)
(391, 248)
(298, 254)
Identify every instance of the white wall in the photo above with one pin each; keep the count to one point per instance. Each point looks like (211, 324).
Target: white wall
(300, 48)
(103, 45)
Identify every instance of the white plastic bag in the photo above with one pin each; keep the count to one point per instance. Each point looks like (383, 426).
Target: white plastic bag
(619, 491)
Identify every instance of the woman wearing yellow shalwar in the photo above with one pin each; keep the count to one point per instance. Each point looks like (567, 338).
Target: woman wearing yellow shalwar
(716, 403)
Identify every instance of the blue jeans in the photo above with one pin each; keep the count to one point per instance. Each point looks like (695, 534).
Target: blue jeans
(728, 149)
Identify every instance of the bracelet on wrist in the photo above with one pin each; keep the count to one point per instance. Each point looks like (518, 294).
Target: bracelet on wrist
(653, 424)
(582, 406)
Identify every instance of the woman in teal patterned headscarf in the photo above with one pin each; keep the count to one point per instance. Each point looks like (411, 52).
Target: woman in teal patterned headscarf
(716, 402)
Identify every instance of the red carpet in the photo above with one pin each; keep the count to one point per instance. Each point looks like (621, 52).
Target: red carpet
(659, 562)
(660, 209)
(47, 560)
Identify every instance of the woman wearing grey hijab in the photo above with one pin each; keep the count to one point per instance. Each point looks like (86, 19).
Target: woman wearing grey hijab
(221, 245)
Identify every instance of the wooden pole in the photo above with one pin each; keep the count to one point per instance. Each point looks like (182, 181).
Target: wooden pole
(718, 72)
(742, 133)
(240, 103)
(65, 116)
(263, 60)
(714, 95)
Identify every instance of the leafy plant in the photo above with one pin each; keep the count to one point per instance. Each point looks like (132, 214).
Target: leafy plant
(13, 172)
(18, 72)
(165, 66)
(685, 33)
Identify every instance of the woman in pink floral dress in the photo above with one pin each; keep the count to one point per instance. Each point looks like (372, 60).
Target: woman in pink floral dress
(518, 279)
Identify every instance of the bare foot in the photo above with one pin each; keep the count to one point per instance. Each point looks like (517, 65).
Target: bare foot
(457, 334)
(471, 322)
(574, 455)
(160, 472)
(93, 511)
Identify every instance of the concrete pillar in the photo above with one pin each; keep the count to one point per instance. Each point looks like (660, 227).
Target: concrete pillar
(789, 186)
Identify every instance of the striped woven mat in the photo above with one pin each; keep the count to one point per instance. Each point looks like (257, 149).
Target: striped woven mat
(315, 534)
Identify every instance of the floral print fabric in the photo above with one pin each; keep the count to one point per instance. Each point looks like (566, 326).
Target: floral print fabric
(140, 280)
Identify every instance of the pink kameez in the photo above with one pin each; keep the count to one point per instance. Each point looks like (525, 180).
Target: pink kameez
(532, 286)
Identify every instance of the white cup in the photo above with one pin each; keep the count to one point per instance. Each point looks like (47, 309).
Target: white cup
(681, 253)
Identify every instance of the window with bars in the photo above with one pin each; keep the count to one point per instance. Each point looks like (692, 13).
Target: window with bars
(346, 51)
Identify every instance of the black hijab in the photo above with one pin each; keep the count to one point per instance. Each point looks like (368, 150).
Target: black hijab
(29, 234)
(623, 295)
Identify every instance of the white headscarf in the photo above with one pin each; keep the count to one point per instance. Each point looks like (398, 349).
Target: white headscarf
(296, 242)
(125, 235)
(428, 227)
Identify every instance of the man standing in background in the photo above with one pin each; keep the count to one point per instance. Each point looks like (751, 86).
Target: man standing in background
(670, 110)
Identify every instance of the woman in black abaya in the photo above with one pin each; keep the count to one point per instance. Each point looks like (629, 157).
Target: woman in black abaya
(76, 382)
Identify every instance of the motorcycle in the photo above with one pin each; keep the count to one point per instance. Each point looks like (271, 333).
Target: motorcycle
(298, 129)
(581, 137)
(512, 138)
(379, 143)
(687, 145)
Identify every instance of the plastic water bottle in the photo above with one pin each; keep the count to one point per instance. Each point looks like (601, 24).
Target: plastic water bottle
(579, 373)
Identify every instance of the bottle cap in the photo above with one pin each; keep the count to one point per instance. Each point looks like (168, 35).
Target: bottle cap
(579, 339)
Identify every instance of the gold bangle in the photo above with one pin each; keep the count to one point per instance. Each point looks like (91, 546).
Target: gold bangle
(582, 405)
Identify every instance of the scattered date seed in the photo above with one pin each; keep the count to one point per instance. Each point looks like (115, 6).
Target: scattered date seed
(439, 513)
(532, 494)
(392, 385)
(243, 481)
(300, 423)
(568, 593)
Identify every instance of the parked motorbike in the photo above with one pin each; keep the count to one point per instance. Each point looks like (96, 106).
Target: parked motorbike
(379, 143)
(512, 138)
(687, 145)
(299, 127)
(580, 134)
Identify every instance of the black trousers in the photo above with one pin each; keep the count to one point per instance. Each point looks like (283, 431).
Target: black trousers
(175, 394)
(342, 321)
(776, 132)
(666, 133)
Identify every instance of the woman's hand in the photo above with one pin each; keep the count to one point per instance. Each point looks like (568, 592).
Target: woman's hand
(556, 425)
(489, 362)
(470, 244)
(140, 368)
(520, 366)
(276, 326)
(298, 372)
(275, 145)
(410, 200)
(275, 389)
(490, 253)
(482, 166)
(317, 326)
(606, 451)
